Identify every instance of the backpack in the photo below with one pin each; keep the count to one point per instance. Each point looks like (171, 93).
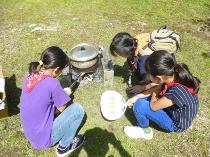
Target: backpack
(162, 39)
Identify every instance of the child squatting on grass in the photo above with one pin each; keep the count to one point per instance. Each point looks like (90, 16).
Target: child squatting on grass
(173, 107)
(127, 46)
(133, 48)
(41, 94)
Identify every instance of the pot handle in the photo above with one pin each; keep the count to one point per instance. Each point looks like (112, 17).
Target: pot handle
(106, 57)
(100, 49)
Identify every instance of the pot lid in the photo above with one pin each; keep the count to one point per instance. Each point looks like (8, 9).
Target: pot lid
(82, 52)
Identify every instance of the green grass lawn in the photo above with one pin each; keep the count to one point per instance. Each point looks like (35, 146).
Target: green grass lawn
(69, 22)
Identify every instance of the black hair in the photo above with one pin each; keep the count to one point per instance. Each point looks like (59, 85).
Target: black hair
(52, 57)
(162, 63)
(123, 43)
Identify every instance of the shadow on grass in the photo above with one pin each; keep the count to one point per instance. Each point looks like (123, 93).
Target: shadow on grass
(122, 71)
(130, 116)
(13, 95)
(97, 144)
(206, 55)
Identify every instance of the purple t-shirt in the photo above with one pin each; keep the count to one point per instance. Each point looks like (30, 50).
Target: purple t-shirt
(37, 110)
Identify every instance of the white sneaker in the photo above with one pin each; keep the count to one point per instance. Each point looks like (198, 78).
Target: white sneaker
(138, 132)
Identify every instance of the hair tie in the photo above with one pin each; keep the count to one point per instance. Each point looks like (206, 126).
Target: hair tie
(134, 46)
(135, 41)
(40, 63)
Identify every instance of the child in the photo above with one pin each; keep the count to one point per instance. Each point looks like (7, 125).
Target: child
(41, 94)
(130, 47)
(137, 49)
(175, 107)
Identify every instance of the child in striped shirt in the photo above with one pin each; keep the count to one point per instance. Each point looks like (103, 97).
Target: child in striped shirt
(172, 105)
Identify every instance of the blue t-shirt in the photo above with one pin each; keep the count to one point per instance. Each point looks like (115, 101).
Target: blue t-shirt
(185, 108)
(37, 110)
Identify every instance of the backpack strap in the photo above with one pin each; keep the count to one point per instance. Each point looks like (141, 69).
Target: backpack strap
(177, 43)
(162, 27)
(150, 46)
(165, 36)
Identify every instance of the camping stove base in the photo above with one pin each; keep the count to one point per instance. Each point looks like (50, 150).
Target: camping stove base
(95, 75)
(102, 71)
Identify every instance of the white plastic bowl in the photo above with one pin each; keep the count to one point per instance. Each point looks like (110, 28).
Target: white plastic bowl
(112, 104)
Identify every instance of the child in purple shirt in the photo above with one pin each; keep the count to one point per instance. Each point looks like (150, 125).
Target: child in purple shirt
(41, 94)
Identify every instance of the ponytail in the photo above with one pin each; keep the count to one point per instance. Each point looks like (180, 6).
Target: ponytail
(52, 57)
(183, 76)
(33, 67)
(162, 63)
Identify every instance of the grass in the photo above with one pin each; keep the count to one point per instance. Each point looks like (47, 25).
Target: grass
(97, 22)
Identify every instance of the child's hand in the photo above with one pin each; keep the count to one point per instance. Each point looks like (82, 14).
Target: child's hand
(67, 90)
(131, 101)
(154, 97)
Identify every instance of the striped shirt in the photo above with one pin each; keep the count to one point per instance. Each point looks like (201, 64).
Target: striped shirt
(185, 108)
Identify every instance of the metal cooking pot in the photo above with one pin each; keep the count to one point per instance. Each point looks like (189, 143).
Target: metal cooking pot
(83, 56)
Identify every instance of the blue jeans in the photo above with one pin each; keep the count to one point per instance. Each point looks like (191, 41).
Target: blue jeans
(66, 124)
(144, 113)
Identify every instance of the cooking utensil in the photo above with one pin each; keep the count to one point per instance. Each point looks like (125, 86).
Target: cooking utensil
(83, 56)
(75, 81)
(130, 79)
(68, 90)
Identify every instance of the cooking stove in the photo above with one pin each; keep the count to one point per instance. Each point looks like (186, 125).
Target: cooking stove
(102, 71)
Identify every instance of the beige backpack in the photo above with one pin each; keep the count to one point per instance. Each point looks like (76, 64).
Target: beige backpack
(162, 39)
